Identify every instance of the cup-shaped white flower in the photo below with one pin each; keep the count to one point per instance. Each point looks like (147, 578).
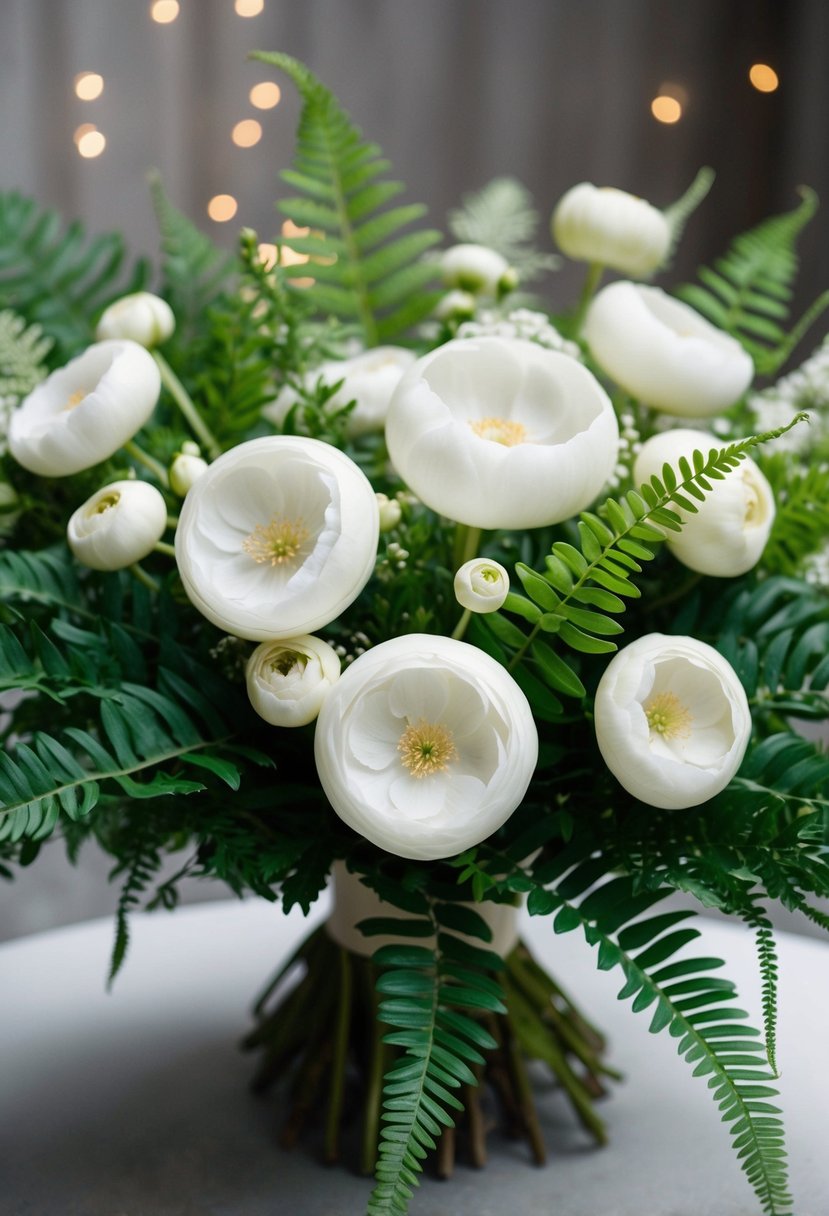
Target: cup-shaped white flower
(85, 411)
(288, 681)
(425, 746)
(476, 269)
(481, 585)
(502, 433)
(612, 228)
(278, 537)
(664, 353)
(369, 378)
(728, 533)
(672, 720)
(142, 317)
(118, 525)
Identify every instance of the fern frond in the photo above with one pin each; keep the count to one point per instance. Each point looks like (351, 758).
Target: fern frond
(767, 960)
(747, 292)
(678, 213)
(23, 351)
(801, 522)
(139, 868)
(365, 270)
(47, 576)
(429, 992)
(502, 216)
(58, 277)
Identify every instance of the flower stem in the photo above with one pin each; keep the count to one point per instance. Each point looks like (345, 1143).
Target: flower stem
(161, 546)
(143, 577)
(172, 521)
(460, 628)
(467, 541)
(182, 399)
(138, 454)
(594, 275)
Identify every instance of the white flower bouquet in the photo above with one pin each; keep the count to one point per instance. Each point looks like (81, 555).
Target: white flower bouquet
(317, 566)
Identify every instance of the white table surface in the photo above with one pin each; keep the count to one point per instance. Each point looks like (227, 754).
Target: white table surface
(135, 1103)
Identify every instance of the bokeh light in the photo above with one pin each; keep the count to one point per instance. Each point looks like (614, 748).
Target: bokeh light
(249, 8)
(247, 133)
(91, 143)
(666, 109)
(88, 85)
(222, 207)
(265, 95)
(763, 77)
(164, 11)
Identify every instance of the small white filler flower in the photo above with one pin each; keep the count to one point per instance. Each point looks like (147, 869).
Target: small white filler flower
(481, 585)
(143, 317)
(425, 746)
(729, 531)
(85, 411)
(609, 227)
(288, 681)
(278, 537)
(672, 720)
(117, 526)
(665, 353)
(502, 433)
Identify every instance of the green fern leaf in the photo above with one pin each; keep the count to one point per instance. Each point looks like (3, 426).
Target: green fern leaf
(22, 363)
(376, 277)
(502, 217)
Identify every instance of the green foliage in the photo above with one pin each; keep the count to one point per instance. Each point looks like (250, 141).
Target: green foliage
(748, 291)
(57, 277)
(801, 523)
(431, 994)
(502, 216)
(679, 212)
(139, 868)
(46, 577)
(23, 351)
(365, 269)
(683, 996)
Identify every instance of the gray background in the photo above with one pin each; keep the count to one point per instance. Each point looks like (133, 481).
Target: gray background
(456, 92)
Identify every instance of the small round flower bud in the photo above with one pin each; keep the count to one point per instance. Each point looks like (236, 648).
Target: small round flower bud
(118, 525)
(142, 317)
(481, 585)
(455, 306)
(474, 268)
(390, 512)
(184, 470)
(288, 681)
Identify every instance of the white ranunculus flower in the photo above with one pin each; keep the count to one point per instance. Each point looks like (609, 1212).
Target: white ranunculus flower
(288, 681)
(611, 228)
(665, 353)
(672, 720)
(481, 585)
(85, 411)
(118, 525)
(476, 269)
(278, 537)
(425, 746)
(501, 433)
(727, 535)
(369, 378)
(142, 317)
(184, 471)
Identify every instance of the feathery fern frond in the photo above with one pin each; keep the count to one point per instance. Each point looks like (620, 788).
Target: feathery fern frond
(502, 216)
(140, 868)
(801, 521)
(23, 351)
(678, 213)
(747, 293)
(365, 269)
(767, 959)
(428, 991)
(46, 576)
(56, 276)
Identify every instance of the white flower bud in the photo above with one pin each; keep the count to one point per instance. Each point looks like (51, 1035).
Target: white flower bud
(455, 305)
(117, 526)
(728, 533)
(665, 353)
(481, 585)
(184, 470)
(391, 512)
(142, 317)
(85, 411)
(288, 681)
(473, 268)
(672, 720)
(612, 228)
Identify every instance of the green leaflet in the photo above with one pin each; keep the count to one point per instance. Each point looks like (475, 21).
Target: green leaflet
(368, 270)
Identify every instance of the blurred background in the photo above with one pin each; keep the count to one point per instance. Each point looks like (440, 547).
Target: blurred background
(637, 94)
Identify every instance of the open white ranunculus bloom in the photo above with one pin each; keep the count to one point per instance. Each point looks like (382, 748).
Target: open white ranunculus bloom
(727, 535)
(481, 585)
(665, 353)
(118, 525)
(672, 720)
(288, 681)
(369, 378)
(501, 433)
(425, 746)
(143, 317)
(85, 411)
(277, 537)
(611, 228)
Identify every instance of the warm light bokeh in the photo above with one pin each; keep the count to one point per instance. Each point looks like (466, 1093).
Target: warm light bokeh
(764, 78)
(88, 85)
(247, 133)
(222, 207)
(91, 143)
(666, 109)
(249, 8)
(265, 95)
(164, 11)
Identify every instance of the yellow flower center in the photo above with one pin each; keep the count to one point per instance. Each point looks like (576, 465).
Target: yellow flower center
(105, 502)
(277, 542)
(426, 748)
(75, 399)
(667, 716)
(500, 430)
